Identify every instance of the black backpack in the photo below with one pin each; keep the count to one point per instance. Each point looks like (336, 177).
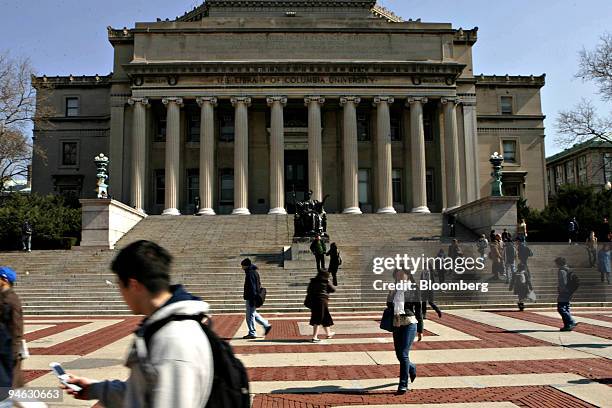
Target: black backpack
(573, 281)
(230, 386)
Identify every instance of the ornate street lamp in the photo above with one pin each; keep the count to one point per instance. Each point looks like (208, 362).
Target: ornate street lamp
(496, 185)
(102, 174)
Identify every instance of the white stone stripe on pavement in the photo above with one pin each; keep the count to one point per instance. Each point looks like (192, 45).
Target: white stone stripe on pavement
(580, 319)
(570, 340)
(70, 334)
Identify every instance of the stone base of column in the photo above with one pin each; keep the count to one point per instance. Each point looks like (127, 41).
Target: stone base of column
(277, 211)
(171, 211)
(206, 211)
(421, 210)
(140, 210)
(386, 210)
(352, 210)
(241, 211)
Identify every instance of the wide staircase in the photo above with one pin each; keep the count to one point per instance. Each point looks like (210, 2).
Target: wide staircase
(207, 253)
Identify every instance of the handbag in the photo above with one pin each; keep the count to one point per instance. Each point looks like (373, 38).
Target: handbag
(308, 302)
(386, 321)
(260, 299)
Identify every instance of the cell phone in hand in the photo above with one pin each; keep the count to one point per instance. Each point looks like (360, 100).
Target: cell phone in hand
(63, 376)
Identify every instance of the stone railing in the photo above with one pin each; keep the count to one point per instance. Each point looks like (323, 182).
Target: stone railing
(105, 221)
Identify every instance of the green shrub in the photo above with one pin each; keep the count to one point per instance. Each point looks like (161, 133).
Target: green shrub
(51, 218)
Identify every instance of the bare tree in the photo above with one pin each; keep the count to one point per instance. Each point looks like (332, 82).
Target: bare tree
(18, 113)
(583, 123)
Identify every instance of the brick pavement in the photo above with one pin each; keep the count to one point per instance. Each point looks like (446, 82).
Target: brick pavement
(565, 379)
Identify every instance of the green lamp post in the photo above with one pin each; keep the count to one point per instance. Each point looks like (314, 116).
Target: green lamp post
(496, 185)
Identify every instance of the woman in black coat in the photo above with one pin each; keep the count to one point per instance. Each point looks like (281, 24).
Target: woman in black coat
(334, 262)
(317, 299)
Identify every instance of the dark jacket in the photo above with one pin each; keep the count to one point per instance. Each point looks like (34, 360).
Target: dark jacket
(509, 253)
(412, 306)
(316, 249)
(12, 327)
(252, 283)
(320, 288)
(455, 251)
(333, 254)
(524, 252)
(565, 295)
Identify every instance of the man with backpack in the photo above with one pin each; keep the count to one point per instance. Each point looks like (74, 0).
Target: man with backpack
(254, 296)
(171, 360)
(568, 284)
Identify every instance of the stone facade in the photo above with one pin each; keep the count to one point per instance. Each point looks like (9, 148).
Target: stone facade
(588, 163)
(240, 103)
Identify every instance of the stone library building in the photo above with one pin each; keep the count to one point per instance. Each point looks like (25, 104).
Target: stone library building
(240, 106)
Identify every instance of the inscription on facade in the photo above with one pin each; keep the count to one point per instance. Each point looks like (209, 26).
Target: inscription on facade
(294, 80)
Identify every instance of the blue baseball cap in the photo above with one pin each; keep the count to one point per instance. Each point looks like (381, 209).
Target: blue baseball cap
(8, 274)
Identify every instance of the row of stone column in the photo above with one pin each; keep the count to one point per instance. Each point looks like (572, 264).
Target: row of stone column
(315, 153)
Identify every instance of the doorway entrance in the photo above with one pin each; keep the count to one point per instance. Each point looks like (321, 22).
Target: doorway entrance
(296, 177)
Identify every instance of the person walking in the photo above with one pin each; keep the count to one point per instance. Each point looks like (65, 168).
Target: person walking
(522, 286)
(497, 257)
(318, 249)
(427, 296)
(317, 299)
(171, 362)
(454, 252)
(482, 244)
(521, 230)
(604, 262)
(452, 222)
(524, 253)
(335, 260)
(509, 260)
(572, 231)
(603, 233)
(251, 295)
(12, 346)
(440, 267)
(407, 324)
(492, 235)
(567, 285)
(591, 247)
(26, 236)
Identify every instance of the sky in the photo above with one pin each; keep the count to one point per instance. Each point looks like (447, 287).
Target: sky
(516, 37)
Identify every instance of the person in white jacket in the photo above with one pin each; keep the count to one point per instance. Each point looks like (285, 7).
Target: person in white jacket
(174, 368)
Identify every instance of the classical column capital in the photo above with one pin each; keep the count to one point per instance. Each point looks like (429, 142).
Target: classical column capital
(350, 99)
(201, 100)
(272, 99)
(133, 101)
(241, 100)
(173, 99)
(383, 99)
(452, 100)
(314, 99)
(416, 99)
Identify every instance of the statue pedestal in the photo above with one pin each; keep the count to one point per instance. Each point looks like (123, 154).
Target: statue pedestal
(105, 221)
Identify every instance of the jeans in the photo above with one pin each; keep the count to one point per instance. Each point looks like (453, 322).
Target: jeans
(592, 256)
(320, 258)
(510, 268)
(403, 337)
(564, 310)
(26, 241)
(252, 316)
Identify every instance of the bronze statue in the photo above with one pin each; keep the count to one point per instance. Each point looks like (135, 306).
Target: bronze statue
(310, 218)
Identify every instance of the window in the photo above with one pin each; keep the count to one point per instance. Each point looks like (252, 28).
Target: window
(363, 126)
(559, 179)
(570, 173)
(226, 127)
(69, 153)
(295, 118)
(160, 187)
(396, 185)
(396, 130)
(428, 126)
(430, 185)
(506, 105)
(72, 107)
(226, 186)
(160, 134)
(582, 170)
(364, 186)
(193, 123)
(193, 185)
(511, 189)
(509, 151)
(607, 167)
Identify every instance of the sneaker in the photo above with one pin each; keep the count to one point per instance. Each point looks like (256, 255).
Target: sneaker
(268, 330)
(439, 312)
(566, 328)
(573, 326)
(249, 337)
(315, 340)
(401, 390)
(331, 335)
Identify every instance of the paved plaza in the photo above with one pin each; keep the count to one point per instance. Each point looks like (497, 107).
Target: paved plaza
(468, 358)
